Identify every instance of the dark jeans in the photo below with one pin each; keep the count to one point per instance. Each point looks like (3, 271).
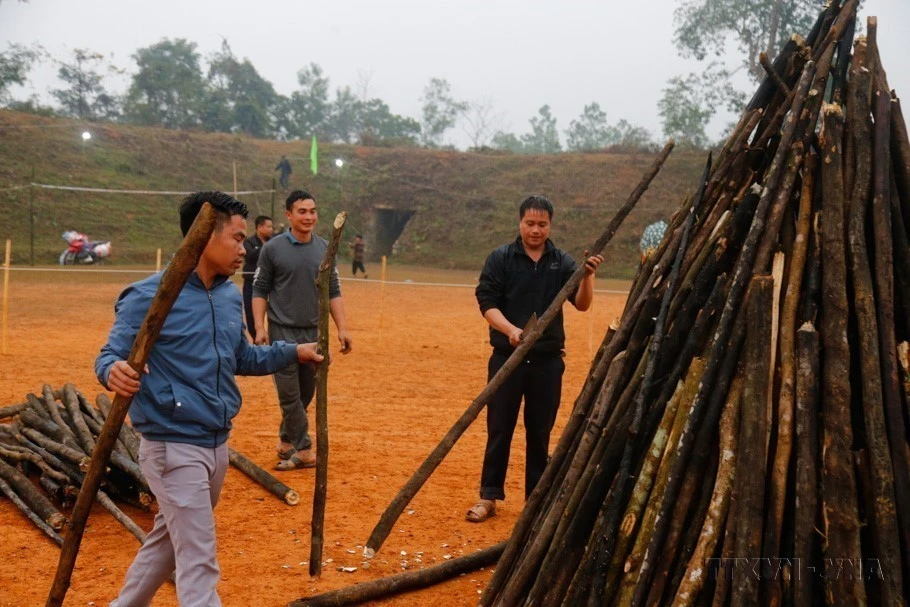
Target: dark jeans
(248, 308)
(296, 385)
(540, 383)
(283, 180)
(357, 265)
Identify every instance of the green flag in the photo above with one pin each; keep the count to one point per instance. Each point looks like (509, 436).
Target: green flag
(314, 157)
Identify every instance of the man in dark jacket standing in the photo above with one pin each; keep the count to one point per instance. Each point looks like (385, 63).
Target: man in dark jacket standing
(284, 166)
(184, 403)
(264, 228)
(518, 280)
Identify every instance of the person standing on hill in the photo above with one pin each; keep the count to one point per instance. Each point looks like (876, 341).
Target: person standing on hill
(264, 228)
(358, 246)
(184, 403)
(518, 280)
(285, 290)
(284, 166)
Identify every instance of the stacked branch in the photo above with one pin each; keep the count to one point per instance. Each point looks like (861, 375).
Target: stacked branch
(46, 446)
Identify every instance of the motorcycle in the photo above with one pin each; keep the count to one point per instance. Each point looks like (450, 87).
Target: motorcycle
(81, 250)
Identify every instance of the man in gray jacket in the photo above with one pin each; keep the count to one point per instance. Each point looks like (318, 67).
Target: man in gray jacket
(184, 404)
(285, 289)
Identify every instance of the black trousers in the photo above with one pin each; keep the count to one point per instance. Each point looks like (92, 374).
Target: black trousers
(248, 308)
(355, 265)
(540, 383)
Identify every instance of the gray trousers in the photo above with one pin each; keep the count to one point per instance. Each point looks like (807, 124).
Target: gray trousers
(295, 385)
(186, 481)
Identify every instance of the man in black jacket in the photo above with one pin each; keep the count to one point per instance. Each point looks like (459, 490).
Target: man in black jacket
(518, 280)
(253, 244)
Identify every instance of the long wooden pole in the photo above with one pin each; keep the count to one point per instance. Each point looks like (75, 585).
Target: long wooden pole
(172, 282)
(6, 259)
(158, 261)
(394, 510)
(234, 163)
(326, 269)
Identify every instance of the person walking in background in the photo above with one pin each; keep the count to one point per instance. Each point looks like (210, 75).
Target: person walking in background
(184, 403)
(264, 228)
(358, 246)
(284, 166)
(285, 290)
(518, 280)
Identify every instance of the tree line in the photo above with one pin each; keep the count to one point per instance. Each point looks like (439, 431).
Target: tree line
(174, 86)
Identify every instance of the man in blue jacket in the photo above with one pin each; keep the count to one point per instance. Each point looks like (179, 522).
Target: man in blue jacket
(184, 403)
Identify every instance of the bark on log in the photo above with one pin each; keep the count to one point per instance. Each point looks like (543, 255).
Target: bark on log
(83, 435)
(175, 276)
(12, 410)
(891, 446)
(264, 478)
(694, 579)
(841, 518)
(326, 269)
(806, 489)
(750, 488)
(29, 494)
(126, 434)
(404, 496)
(385, 587)
(49, 531)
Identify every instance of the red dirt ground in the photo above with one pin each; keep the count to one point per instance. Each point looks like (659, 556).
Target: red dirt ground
(419, 359)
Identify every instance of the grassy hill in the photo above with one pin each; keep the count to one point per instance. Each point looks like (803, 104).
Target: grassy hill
(440, 208)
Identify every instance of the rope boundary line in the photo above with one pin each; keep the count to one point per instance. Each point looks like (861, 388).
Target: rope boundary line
(344, 279)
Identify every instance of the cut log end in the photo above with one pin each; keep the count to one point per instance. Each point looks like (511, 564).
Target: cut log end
(292, 498)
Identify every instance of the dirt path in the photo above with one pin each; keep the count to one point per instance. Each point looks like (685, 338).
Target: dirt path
(418, 360)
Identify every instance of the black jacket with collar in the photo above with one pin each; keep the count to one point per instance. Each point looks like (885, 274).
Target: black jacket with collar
(518, 287)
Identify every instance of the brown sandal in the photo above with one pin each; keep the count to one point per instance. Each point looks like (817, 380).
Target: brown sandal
(296, 462)
(481, 511)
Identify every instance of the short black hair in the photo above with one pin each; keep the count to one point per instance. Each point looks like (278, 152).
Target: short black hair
(295, 196)
(541, 203)
(225, 206)
(358, 235)
(261, 220)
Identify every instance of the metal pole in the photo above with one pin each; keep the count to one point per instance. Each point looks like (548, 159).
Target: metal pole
(31, 218)
(9, 245)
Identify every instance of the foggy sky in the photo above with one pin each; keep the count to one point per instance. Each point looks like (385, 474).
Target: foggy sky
(520, 53)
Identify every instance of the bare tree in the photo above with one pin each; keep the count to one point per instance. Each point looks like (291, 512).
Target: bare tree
(480, 121)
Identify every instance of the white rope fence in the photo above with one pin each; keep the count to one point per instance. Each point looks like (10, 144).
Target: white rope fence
(72, 188)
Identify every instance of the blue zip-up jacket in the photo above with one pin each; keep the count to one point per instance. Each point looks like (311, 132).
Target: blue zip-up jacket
(190, 394)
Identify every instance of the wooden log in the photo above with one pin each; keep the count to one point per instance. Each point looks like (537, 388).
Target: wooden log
(806, 486)
(264, 478)
(838, 491)
(95, 429)
(777, 489)
(326, 269)
(83, 435)
(404, 496)
(27, 491)
(720, 348)
(888, 451)
(411, 580)
(23, 507)
(632, 564)
(89, 410)
(772, 73)
(37, 406)
(12, 410)
(750, 488)
(623, 484)
(59, 449)
(13, 454)
(175, 276)
(711, 532)
(126, 435)
(120, 516)
(50, 405)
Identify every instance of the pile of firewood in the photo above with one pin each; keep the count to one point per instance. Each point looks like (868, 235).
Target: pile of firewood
(51, 438)
(742, 434)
